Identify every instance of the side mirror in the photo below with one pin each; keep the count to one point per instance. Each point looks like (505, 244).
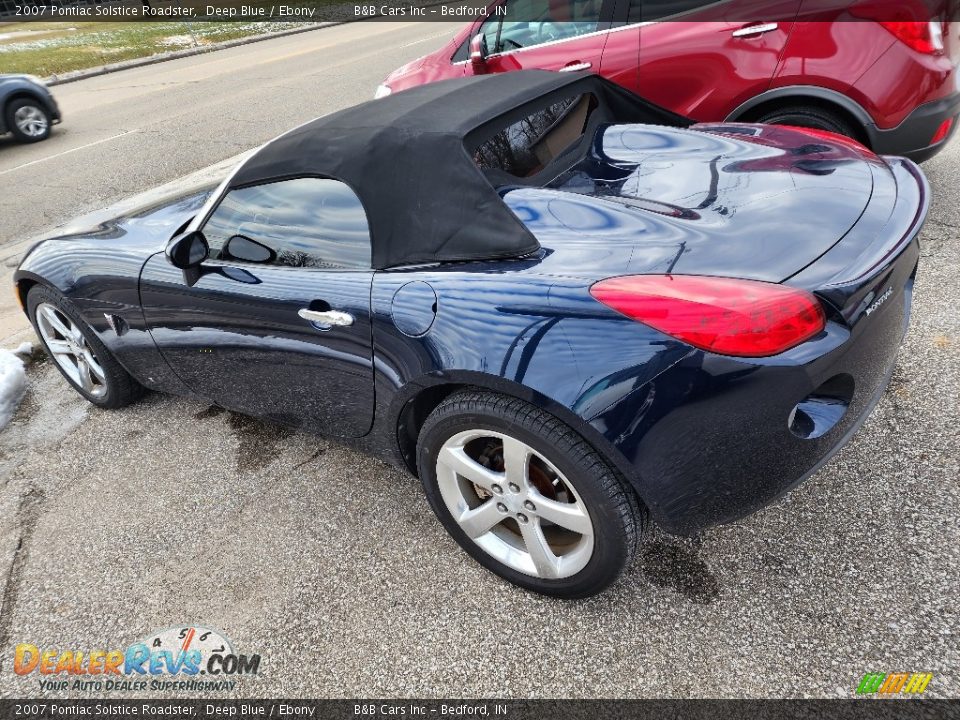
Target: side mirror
(188, 250)
(478, 54)
(240, 247)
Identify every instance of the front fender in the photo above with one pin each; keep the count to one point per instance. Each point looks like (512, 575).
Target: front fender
(101, 280)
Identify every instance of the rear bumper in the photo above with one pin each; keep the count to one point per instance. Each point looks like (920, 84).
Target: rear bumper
(911, 138)
(712, 438)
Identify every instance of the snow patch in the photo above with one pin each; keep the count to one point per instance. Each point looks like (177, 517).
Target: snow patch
(13, 383)
(177, 40)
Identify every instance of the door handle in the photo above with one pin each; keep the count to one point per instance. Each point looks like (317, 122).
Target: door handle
(573, 67)
(328, 317)
(751, 30)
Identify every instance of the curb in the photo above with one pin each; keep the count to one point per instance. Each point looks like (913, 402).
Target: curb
(176, 54)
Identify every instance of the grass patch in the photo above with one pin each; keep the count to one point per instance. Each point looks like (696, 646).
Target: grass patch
(53, 48)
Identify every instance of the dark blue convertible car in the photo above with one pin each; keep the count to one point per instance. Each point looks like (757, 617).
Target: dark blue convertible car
(567, 310)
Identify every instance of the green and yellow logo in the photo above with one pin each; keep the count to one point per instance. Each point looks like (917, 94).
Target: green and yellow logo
(894, 683)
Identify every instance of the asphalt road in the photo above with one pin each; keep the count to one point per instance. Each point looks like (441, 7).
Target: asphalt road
(331, 565)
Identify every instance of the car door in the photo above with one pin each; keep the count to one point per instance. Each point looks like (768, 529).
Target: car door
(561, 35)
(277, 324)
(701, 58)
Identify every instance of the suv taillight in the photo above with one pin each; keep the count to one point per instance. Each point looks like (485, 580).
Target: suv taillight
(744, 318)
(925, 37)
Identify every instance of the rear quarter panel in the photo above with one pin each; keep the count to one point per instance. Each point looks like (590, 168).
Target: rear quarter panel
(902, 79)
(507, 327)
(835, 55)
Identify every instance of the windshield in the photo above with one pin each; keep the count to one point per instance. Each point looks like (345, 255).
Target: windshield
(534, 22)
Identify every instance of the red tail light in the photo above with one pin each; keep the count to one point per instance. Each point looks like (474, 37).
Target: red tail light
(925, 37)
(942, 131)
(745, 318)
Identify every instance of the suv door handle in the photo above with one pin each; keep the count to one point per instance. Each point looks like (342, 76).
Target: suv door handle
(328, 317)
(751, 30)
(574, 66)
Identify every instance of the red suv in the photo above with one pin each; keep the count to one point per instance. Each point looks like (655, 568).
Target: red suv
(891, 84)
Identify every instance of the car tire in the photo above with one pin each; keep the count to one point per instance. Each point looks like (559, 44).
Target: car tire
(28, 120)
(555, 475)
(57, 322)
(810, 116)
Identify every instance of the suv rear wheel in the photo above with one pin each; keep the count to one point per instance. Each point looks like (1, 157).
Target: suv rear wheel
(810, 116)
(28, 120)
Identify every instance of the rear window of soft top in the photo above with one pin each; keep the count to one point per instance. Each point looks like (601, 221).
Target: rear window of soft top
(525, 147)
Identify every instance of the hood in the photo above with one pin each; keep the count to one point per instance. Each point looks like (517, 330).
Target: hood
(407, 68)
(22, 76)
(749, 201)
(426, 69)
(149, 217)
(151, 222)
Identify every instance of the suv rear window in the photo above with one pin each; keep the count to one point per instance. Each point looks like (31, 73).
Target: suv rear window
(526, 147)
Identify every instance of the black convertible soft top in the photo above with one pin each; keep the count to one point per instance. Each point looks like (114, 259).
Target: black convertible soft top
(409, 158)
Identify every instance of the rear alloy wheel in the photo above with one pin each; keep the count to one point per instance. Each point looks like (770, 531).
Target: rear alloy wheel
(78, 353)
(28, 120)
(512, 503)
(810, 116)
(526, 496)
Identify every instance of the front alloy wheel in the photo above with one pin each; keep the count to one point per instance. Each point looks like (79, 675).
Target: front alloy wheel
(70, 350)
(526, 496)
(80, 356)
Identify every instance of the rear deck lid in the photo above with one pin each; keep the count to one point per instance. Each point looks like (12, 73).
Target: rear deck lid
(748, 201)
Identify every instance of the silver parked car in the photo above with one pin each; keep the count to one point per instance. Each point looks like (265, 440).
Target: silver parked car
(27, 108)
